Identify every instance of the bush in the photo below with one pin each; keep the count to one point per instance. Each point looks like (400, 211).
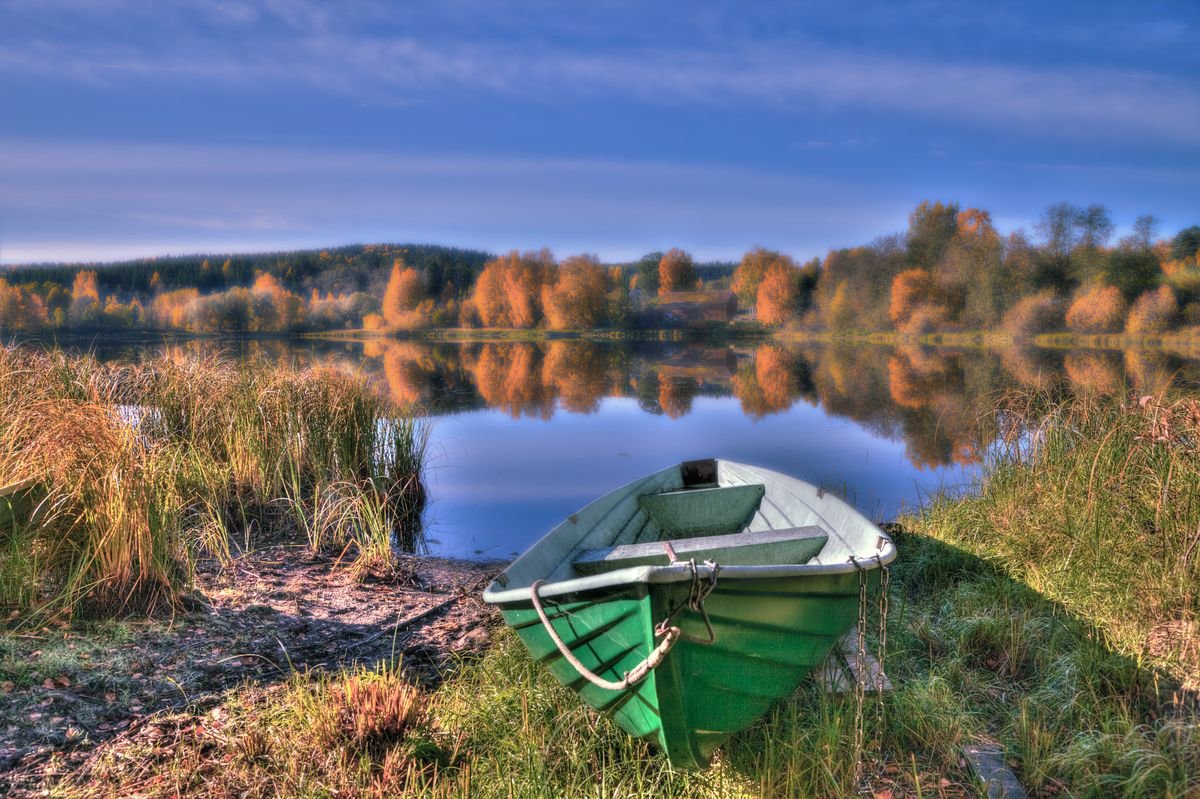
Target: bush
(1154, 312)
(1098, 310)
(1037, 313)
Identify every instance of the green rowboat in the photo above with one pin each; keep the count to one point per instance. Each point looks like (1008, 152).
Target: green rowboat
(689, 602)
(17, 501)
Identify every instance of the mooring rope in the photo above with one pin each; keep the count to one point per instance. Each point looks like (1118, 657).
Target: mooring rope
(632, 677)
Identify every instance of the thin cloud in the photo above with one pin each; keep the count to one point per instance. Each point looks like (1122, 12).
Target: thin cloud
(1064, 102)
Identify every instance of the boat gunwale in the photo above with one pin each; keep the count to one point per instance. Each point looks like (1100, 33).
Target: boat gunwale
(497, 594)
(679, 572)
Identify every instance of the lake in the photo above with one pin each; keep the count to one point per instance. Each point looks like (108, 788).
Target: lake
(525, 433)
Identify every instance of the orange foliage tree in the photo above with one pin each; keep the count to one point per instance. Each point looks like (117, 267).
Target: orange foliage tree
(1153, 312)
(1097, 310)
(20, 310)
(676, 271)
(753, 269)
(578, 300)
(508, 292)
(403, 296)
(275, 308)
(1037, 313)
(776, 294)
(915, 305)
(85, 298)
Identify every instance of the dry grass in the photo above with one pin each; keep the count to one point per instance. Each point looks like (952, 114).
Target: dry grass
(137, 469)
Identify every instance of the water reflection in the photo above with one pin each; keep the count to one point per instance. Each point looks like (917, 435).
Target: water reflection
(527, 432)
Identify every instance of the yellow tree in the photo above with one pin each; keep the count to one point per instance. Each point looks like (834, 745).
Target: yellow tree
(776, 293)
(403, 295)
(85, 298)
(579, 299)
(676, 271)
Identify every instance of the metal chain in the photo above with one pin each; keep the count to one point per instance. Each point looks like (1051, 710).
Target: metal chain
(860, 684)
(696, 595)
(884, 581)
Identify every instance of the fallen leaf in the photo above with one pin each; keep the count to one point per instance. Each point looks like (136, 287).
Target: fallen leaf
(7, 686)
(64, 682)
(48, 684)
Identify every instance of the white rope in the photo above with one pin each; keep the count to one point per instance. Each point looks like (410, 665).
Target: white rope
(632, 677)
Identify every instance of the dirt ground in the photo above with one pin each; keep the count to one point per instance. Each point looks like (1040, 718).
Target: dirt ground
(270, 614)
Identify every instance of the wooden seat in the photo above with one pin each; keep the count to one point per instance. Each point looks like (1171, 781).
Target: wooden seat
(719, 510)
(793, 545)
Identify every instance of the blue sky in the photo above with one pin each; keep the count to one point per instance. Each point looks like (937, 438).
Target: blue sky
(133, 128)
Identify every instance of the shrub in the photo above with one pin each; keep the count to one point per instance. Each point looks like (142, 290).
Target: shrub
(1037, 313)
(1153, 312)
(1098, 310)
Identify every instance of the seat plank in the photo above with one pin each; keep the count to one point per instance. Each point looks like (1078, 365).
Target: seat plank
(790, 546)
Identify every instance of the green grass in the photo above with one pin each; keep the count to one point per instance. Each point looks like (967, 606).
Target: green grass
(222, 453)
(1049, 612)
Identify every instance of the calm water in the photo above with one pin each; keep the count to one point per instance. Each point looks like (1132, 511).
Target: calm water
(526, 433)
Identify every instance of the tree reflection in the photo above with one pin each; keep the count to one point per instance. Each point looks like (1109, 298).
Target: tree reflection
(578, 371)
(939, 401)
(508, 377)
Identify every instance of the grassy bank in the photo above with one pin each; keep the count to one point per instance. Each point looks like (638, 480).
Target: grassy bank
(1053, 612)
(116, 478)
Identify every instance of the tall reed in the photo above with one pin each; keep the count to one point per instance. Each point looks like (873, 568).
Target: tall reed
(136, 469)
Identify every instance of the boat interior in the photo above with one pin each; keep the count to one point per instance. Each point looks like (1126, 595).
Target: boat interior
(702, 518)
(727, 512)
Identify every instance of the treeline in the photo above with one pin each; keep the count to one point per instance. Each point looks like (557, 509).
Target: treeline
(268, 292)
(951, 270)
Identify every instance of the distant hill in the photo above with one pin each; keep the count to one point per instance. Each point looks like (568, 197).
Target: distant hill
(358, 267)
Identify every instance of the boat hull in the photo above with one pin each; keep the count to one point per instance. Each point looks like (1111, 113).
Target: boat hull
(772, 622)
(769, 633)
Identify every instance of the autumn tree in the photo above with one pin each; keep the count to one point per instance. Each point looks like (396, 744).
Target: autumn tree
(753, 270)
(1037, 313)
(916, 301)
(676, 271)
(508, 292)
(776, 293)
(1153, 312)
(404, 294)
(85, 298)
(19, 309)
(1100, 309)
(578, 299)
(274, 307)
(854, 285)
